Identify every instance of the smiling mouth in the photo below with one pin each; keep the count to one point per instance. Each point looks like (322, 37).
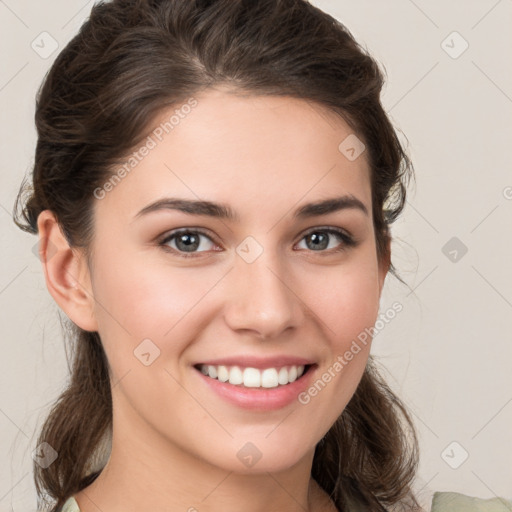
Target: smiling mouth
(249, 377)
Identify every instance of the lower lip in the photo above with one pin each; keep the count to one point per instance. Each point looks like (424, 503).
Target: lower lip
(262, 399)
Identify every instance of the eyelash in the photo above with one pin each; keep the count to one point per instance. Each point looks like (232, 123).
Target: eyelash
(347, 240)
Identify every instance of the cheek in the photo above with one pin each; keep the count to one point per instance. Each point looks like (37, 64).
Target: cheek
(344, 299)
(136, 302)
(148, 300)
(346, 303)
(353, 308)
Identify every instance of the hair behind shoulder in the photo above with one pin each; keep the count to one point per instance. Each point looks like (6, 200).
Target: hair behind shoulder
(132, 58)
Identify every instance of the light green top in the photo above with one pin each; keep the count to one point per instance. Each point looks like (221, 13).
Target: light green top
(70, 506)
(455, 502)
(441, 502)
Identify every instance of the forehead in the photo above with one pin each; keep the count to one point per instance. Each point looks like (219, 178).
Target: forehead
(246, 151)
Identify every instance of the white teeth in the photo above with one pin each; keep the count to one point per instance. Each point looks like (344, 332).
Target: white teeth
(253, 377)
(222, 374)
(269, 378)
(235, 376)
(283, 376)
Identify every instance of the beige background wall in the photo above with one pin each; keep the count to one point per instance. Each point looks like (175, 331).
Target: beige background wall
(449, 352)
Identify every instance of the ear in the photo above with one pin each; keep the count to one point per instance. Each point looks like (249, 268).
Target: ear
(384, 264)
(66, 273)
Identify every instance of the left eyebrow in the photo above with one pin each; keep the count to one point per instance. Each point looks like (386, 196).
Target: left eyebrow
(329, 206)
(223, 211)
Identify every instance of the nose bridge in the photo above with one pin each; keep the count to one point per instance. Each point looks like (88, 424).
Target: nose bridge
(262, 300)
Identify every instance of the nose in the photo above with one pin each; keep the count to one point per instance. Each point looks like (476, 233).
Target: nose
(262, 300)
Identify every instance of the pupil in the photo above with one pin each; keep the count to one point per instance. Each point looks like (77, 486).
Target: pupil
(188, 244)
(317, 240)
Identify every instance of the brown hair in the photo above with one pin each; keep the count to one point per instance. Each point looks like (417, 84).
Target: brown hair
(132, 58)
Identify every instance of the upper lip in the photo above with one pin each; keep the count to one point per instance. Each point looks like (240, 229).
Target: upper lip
(246, 361)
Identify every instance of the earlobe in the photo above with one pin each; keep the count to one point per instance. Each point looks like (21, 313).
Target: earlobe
(66, 273)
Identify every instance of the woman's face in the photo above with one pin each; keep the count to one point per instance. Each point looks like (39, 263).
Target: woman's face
(272, 286)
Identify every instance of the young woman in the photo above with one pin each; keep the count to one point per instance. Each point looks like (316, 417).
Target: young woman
(213, 188)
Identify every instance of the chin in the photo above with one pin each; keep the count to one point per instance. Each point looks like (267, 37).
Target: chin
(259, 455)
